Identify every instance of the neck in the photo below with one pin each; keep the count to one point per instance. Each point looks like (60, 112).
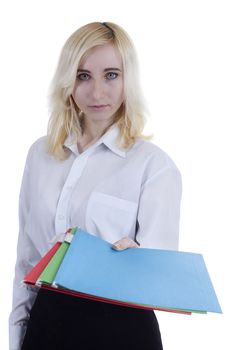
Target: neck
(91, 133)
(94, 130)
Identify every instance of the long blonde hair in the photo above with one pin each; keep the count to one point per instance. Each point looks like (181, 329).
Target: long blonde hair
(65, 117)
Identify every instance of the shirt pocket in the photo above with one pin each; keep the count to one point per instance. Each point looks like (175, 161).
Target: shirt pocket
(110, 217)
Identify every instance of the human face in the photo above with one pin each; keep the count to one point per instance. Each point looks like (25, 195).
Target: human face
(98, 90)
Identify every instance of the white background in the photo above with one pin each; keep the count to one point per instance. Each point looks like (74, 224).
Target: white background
(186, 59)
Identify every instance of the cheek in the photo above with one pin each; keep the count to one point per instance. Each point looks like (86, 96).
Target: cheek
(119, 93)
(78, 95)
(121, 97)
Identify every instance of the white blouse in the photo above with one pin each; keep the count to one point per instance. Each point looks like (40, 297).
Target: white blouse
(106, 191)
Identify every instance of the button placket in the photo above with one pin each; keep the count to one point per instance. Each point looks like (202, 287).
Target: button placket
(62, 215)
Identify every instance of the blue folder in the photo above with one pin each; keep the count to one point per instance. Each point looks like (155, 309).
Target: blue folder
(151, 277)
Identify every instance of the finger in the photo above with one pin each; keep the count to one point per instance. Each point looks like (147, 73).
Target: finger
(124, 243)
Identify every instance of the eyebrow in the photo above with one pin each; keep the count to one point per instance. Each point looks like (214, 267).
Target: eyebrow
(105, 70)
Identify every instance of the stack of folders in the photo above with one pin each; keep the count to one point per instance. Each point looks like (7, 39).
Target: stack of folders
(87, 266)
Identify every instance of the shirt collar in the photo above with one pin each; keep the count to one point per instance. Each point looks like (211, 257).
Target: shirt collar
(109, 139)
(70, 143)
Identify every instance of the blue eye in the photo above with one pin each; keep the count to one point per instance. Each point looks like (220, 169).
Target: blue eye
(111, 75)
(83, 76)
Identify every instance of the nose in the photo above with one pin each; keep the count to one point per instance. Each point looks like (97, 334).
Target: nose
(98, 89)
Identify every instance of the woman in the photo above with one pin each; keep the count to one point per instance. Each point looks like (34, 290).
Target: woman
(97, 171)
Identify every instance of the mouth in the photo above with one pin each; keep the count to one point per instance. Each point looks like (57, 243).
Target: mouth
(98, 107)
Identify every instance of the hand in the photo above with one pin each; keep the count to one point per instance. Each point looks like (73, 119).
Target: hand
(124, 243)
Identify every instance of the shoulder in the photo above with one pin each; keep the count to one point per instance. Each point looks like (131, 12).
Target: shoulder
(158, 166)
(153, 157)
(37, 150)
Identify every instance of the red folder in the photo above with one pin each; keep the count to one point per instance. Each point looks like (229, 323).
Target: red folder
(34, 274)
(111, 301)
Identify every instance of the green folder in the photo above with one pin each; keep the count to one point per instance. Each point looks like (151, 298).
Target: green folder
(49, 273)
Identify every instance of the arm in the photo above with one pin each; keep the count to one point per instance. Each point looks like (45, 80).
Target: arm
(159, 210)
(23, 297)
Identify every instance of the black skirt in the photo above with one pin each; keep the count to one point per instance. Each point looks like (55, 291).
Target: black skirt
(64, 322)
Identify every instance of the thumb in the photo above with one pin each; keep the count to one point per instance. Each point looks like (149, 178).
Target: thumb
(124, 243)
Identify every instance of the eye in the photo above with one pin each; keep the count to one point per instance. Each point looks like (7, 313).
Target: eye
(83, 76)
(111, 75)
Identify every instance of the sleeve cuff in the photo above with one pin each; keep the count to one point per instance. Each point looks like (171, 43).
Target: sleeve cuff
(16, 335)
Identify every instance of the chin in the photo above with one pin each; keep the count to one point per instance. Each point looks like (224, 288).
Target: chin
(100, 117)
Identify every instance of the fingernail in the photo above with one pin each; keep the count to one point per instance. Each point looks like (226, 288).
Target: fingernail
(117, 246)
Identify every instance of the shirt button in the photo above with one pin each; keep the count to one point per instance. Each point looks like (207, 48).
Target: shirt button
(61, 217)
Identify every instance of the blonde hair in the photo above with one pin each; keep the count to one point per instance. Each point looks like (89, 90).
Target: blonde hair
(65, 117)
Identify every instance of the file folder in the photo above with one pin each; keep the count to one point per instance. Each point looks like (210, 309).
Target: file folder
(147, 277)
(164, 280)
(33, 275)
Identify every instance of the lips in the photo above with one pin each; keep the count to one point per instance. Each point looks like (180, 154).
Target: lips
(98, 107)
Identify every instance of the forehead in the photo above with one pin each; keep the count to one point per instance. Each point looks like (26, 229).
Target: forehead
(101, 57)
